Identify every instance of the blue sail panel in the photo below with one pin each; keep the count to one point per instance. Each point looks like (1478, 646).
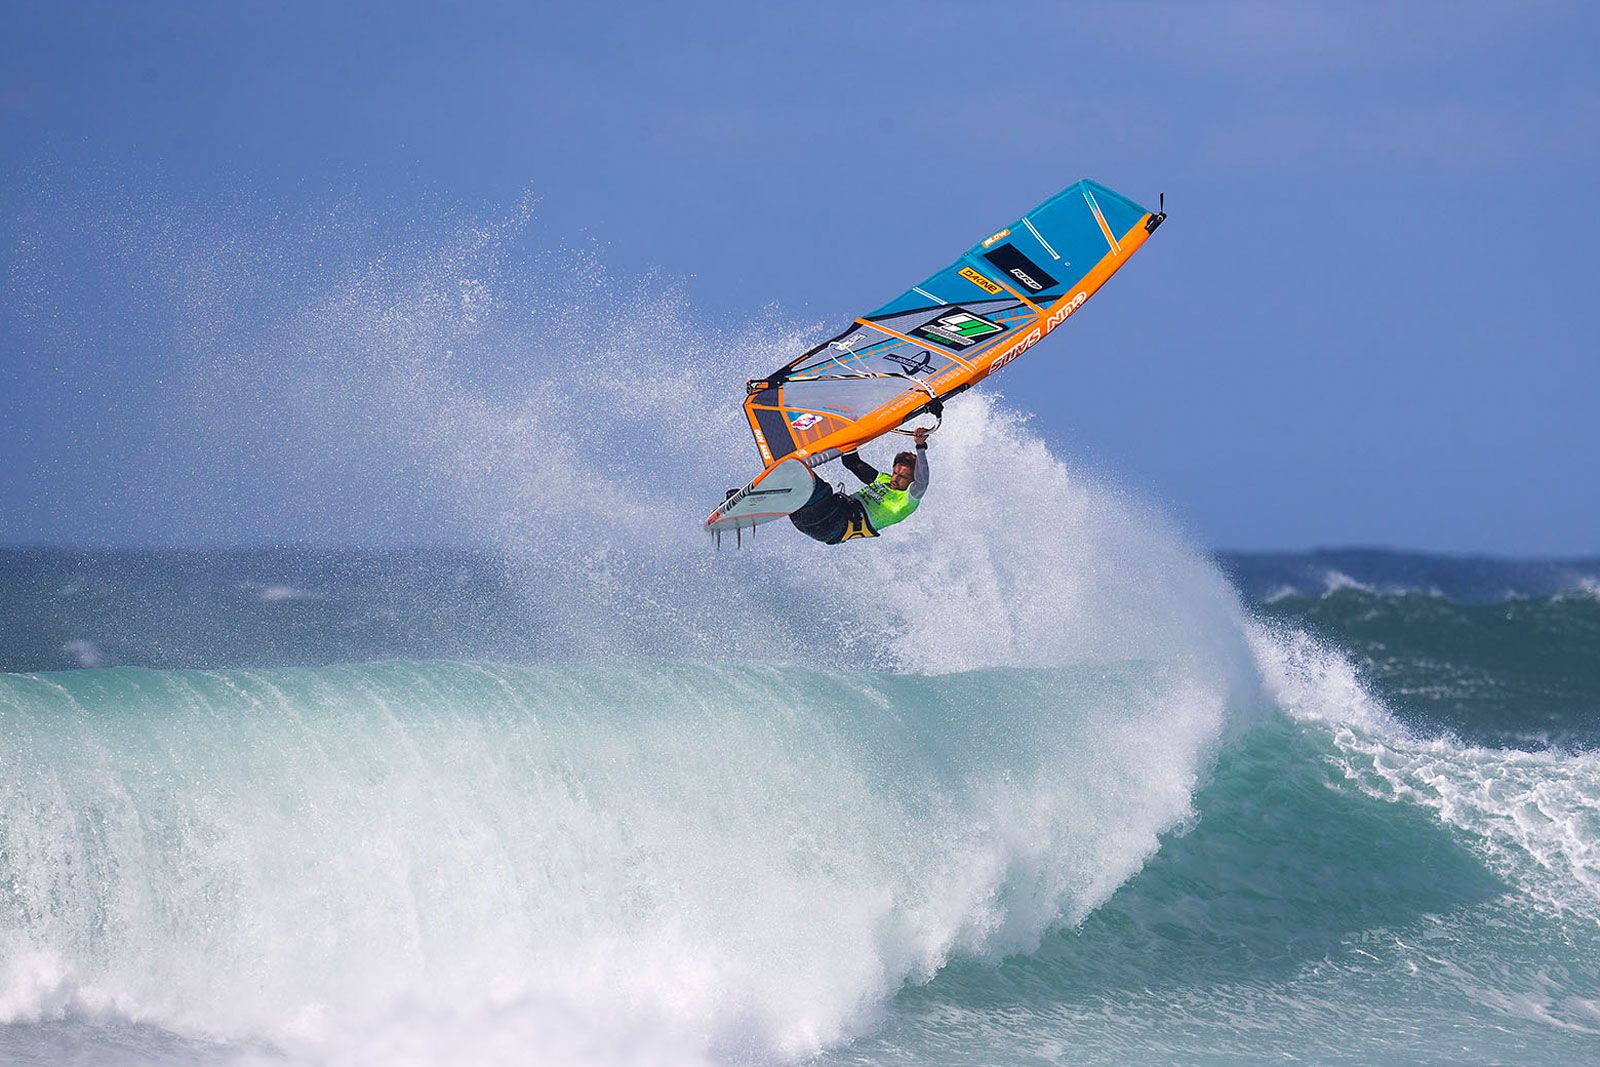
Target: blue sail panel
(1038, 257)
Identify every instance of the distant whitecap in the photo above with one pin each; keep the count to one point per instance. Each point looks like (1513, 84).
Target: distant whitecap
(84, 653)
(273, 593)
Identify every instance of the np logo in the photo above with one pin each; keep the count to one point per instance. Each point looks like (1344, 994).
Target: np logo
(958, 329)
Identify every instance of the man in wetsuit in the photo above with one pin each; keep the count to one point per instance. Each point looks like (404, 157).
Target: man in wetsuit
(883, 500)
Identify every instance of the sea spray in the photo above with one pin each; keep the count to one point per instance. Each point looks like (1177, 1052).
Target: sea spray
(463, 382)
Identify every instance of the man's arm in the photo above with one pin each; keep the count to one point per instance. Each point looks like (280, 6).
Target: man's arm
(859, 467)
(919, 480)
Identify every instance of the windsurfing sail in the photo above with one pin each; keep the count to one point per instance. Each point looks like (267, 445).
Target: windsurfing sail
(949, 331)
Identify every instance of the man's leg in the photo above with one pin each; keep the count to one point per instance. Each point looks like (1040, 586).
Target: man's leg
(826, 516)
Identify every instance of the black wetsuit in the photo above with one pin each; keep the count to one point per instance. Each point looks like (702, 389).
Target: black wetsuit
(831, 516)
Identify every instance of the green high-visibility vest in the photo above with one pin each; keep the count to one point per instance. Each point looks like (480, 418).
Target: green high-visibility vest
(885, 506)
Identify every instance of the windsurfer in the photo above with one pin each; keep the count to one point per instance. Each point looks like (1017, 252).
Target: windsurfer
(883, 500)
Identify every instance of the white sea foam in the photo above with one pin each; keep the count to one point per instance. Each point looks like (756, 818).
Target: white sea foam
(38, 984)
(1533, 816)
(1587, 586)
(727, 860)
(1334, 580)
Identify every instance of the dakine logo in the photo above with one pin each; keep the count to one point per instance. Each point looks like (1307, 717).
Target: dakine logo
(1034, 277)
(979, 280)
(958, 329)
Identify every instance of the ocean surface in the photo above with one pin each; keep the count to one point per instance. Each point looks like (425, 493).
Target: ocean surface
(1113, 801)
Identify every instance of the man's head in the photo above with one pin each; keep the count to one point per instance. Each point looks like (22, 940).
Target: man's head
(905, 469)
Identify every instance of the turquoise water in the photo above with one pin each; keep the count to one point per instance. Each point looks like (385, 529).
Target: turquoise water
(1363, 827)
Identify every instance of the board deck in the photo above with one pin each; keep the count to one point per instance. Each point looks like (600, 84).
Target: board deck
(776, 493)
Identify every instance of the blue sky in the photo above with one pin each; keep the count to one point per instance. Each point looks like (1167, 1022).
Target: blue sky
(1369, 319)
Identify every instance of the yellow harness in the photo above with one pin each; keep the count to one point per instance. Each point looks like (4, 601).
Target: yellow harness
(858, 528)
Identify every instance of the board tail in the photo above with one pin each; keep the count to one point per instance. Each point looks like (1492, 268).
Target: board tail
(776, 493)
